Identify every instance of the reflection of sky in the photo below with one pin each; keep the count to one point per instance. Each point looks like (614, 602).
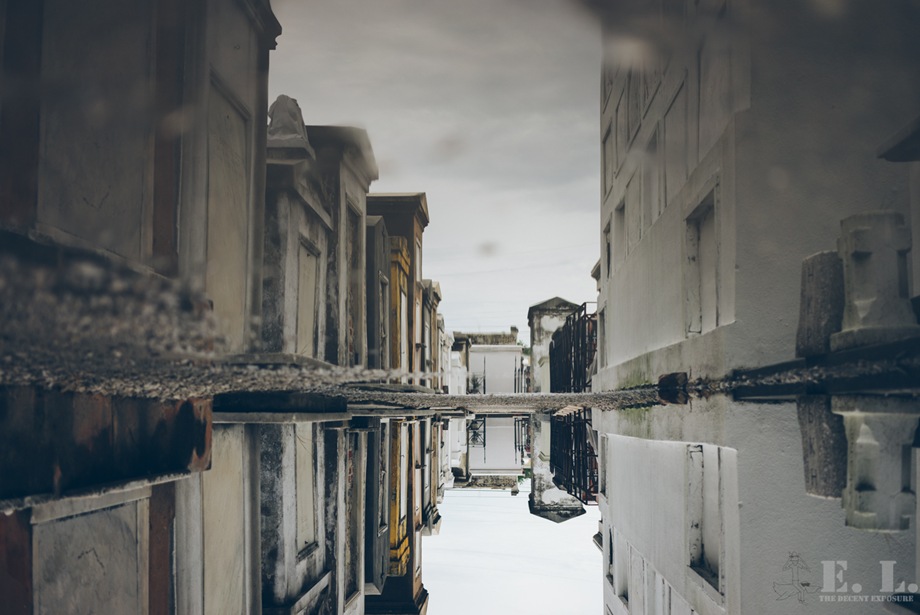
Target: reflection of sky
(489, 106)
(493, 557)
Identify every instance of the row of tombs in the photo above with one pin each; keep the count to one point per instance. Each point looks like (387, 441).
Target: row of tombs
(180, 284)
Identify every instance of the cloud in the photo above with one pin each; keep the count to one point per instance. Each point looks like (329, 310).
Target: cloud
(491, 108)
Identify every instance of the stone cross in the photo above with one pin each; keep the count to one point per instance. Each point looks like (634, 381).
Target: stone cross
(873, 247)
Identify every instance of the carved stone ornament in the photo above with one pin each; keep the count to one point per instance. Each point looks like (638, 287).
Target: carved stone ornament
(287, 135)
(873, 247)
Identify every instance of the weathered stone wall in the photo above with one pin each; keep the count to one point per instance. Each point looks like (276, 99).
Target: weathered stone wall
(496, 339)
(96, 173)
(707, 193)
(347, 168)
(399, 306)
(97, 561)
(378, 294)
(544, 319)
(294, 270)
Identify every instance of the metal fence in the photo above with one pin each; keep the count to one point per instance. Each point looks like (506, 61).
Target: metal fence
(476, 432)
(522, 437)
(571, 352)
(573, 453)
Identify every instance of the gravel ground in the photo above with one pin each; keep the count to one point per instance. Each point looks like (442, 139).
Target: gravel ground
(82, 327)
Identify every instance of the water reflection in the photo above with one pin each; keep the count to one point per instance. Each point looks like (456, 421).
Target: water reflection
(751, 505)
(493, 557)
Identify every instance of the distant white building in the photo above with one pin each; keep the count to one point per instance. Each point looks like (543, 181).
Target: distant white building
(496, 368)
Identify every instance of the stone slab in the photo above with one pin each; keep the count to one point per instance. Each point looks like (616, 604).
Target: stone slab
(821, 305)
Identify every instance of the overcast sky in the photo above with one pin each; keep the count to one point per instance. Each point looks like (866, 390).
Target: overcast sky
(488, 106)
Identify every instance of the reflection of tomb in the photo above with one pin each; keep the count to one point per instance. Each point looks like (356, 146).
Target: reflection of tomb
(824, 446)
(546, 499)
(492, 450)
(707, 503)
(573, 456)
(879, 493)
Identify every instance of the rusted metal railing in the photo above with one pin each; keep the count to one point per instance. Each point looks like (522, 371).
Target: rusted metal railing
(522, 437)
(573, 453)
(571, 352)
(476, 432)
